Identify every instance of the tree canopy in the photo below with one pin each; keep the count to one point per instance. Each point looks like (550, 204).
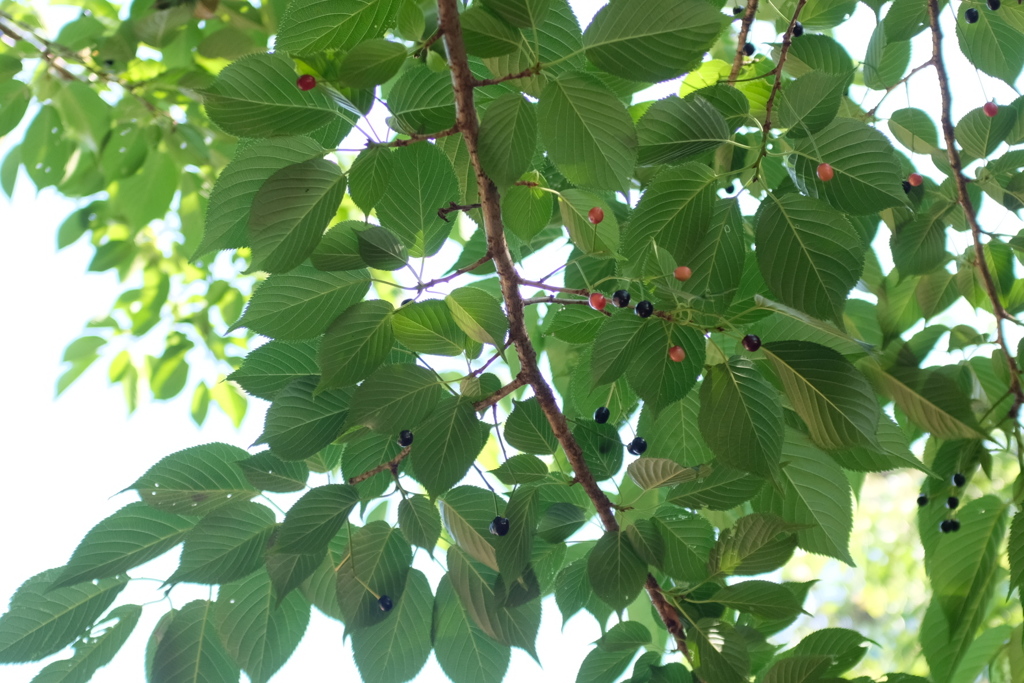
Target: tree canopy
(560, 339)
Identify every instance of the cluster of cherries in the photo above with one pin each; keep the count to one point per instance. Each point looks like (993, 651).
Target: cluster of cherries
(952, 502)
(971, 15)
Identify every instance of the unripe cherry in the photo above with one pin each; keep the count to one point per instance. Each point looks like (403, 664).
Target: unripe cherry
(825, 172)
(915, 179)
(683, 273)
(677, 354)
(598, 301)
(595, 215)
(306, 82)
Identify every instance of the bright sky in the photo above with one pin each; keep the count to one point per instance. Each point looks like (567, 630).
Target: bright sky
(60, 454)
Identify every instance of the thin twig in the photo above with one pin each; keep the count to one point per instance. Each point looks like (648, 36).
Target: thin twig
(551, 299)
(741, 40)
(525, 73)
(871, 113)
(553, 288)
(461, 271)
(427, 43)
(389, 465)
(443, 212)
(486, 403)
(965, 202)
(417, 137)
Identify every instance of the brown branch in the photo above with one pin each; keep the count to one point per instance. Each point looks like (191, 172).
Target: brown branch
(525, 73)
(965, 202)
(417, 137)
(741, 40)
(428, 42)
(443, 212)
(49, 57)
(463, 84)
(551, 299)
(496, 356)
(461, 271)
(389, 465)
(552, 288)
(485, 403)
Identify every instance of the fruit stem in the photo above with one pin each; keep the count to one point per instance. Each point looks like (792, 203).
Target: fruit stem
(552, 288)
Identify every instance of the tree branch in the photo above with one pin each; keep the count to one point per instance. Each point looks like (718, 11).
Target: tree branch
(447, 278)
(741, 40)
(525, 73)
(443, 212)
(552, 288)
(965, 202)
(417, 137)
(463, 84)
(485, 403)
(389, 465)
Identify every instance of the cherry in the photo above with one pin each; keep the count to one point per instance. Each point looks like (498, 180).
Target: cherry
(644, 309)
(959, 480)
(637, 446)
(601, 415)
(922, 500)
(798, 29)
(915, 179)
(385, 603)
(990, 109)
(595, 215)
(306, 82)
(499, 526)
(751, 342)
(683, 273)
(621, 298)
(825, 172)
(677, 354)
(736, 11)
(405, 438)
(993, 4)
(730, 188)
(598, 301)
(954, 525)
(952, 502)
(944, 526)
(748, 49)
(906, 186)
(971, 15)
(405, 301)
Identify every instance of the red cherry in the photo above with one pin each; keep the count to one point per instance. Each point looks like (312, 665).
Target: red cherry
(306, 82)
(595, 215)
(915, 179)
(990, 109)
(683, 273)
(677, 354)
(825, 172)
(598, 301)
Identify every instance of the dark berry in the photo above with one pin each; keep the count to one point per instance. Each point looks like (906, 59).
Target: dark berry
(944, 526)
(954, 525)
(730, 188)
(952, 502)
(971, 15)
(406, 301)
(306, 82)
(621, 298)
(499, 526)
(644, 309)
(959, 480)
(922, 500)
(637, 446)
(748, 49)
(405, 438)
(993, 4)
(906, 186)
(601, 415)
(385, 603)
(798, 29)
(736, 11)
(751, 342)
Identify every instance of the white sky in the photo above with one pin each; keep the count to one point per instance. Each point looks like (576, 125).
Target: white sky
(60, 455)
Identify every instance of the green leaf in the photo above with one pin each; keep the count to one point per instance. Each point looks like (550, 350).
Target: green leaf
(842, 645)
(422, 101)
(301, 421)
(740, 417)
(652, 40)
(867, 178)
(673, 129)
(134, 534)
(394, 650)
(723, 652)
(886, 60)
(576, 324)
(617, 345)
(42, 621)
(377, 563)
(614, 651)
(259, 635)
(723, 489)
(290, 213)
(1016, 552)
(811, 102)
(371, 63)
(601, 240)
(514, 549)
(526, 210)
(893, 452)
(587, 132)
(521, 469)
(227, 215)
(147, 195)
(473, 583)
(991, 44)
(602, 448)
(45, 150)
(421, 182)
(799, 669)
(395, 397)
(981, 653)
(355, 344)
(428, 327)
(419, 521)
(508, 138)
(756, 544)
(520, 12)
(227, 545)
(315, 518)
(14, 99)
(446, 445)
(369, 175)
(915, 130)
(919, 247)
(466, 512)
(479, 315)
(616, 574)
(339, 248)
(486, 34)
(84, 113)
(760, 598)
(302, 303)
(528, 429)
(288, 570)
(191, 650)
(560, 521)
(809, 254)
(379, 248)
(673, 433)
(930, 400)
(979, 134)
(466, 654)
(95, 652)
(688, 543)
(196, 480)
(256, 97)
(311, 26)
(655, 377)
(650, 473)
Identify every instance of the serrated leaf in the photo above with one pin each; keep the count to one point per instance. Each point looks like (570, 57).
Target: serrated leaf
(268, 368)
(226, 545)
(311, 26)
(600, 240)
(673, 129)
(992, 43)
(395, 649)
(673, 433)
(395, 397)
(979, 134)
(526, 209)
(931, 401)
(301, 421)
(886, 59)
(508, 138)
(688, 543)
(466, 512)
(655, 377)
(259, 634)
(377, 563)
(371, 63)
(616, 573)
(421, 182)
(446, 445)
(528, 429)
(521, 469)
(799, 669)
(1015, 551)
(315, 518)
(914, 129)
(617, 345)
(190, 649)
(576, 324)
(93, 652)
(379, 248)
(740, 417)
(844, 646)
(466, 654)
(809, 103)
(355, 344)
(486, 34)
(290, 212)
(652, 40)
(514, 548)
(419, 521)
(650, 473)
(756, 544)
(428, 327)
(479, 315)
(369, 175)
(723, 489)
(587, 132)
(760, 598)
(893, 452)
(422, 101)
(302, 303)
(134, 534)
(723, 653)
(196, 480)
(560, 521)
(520, 12)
